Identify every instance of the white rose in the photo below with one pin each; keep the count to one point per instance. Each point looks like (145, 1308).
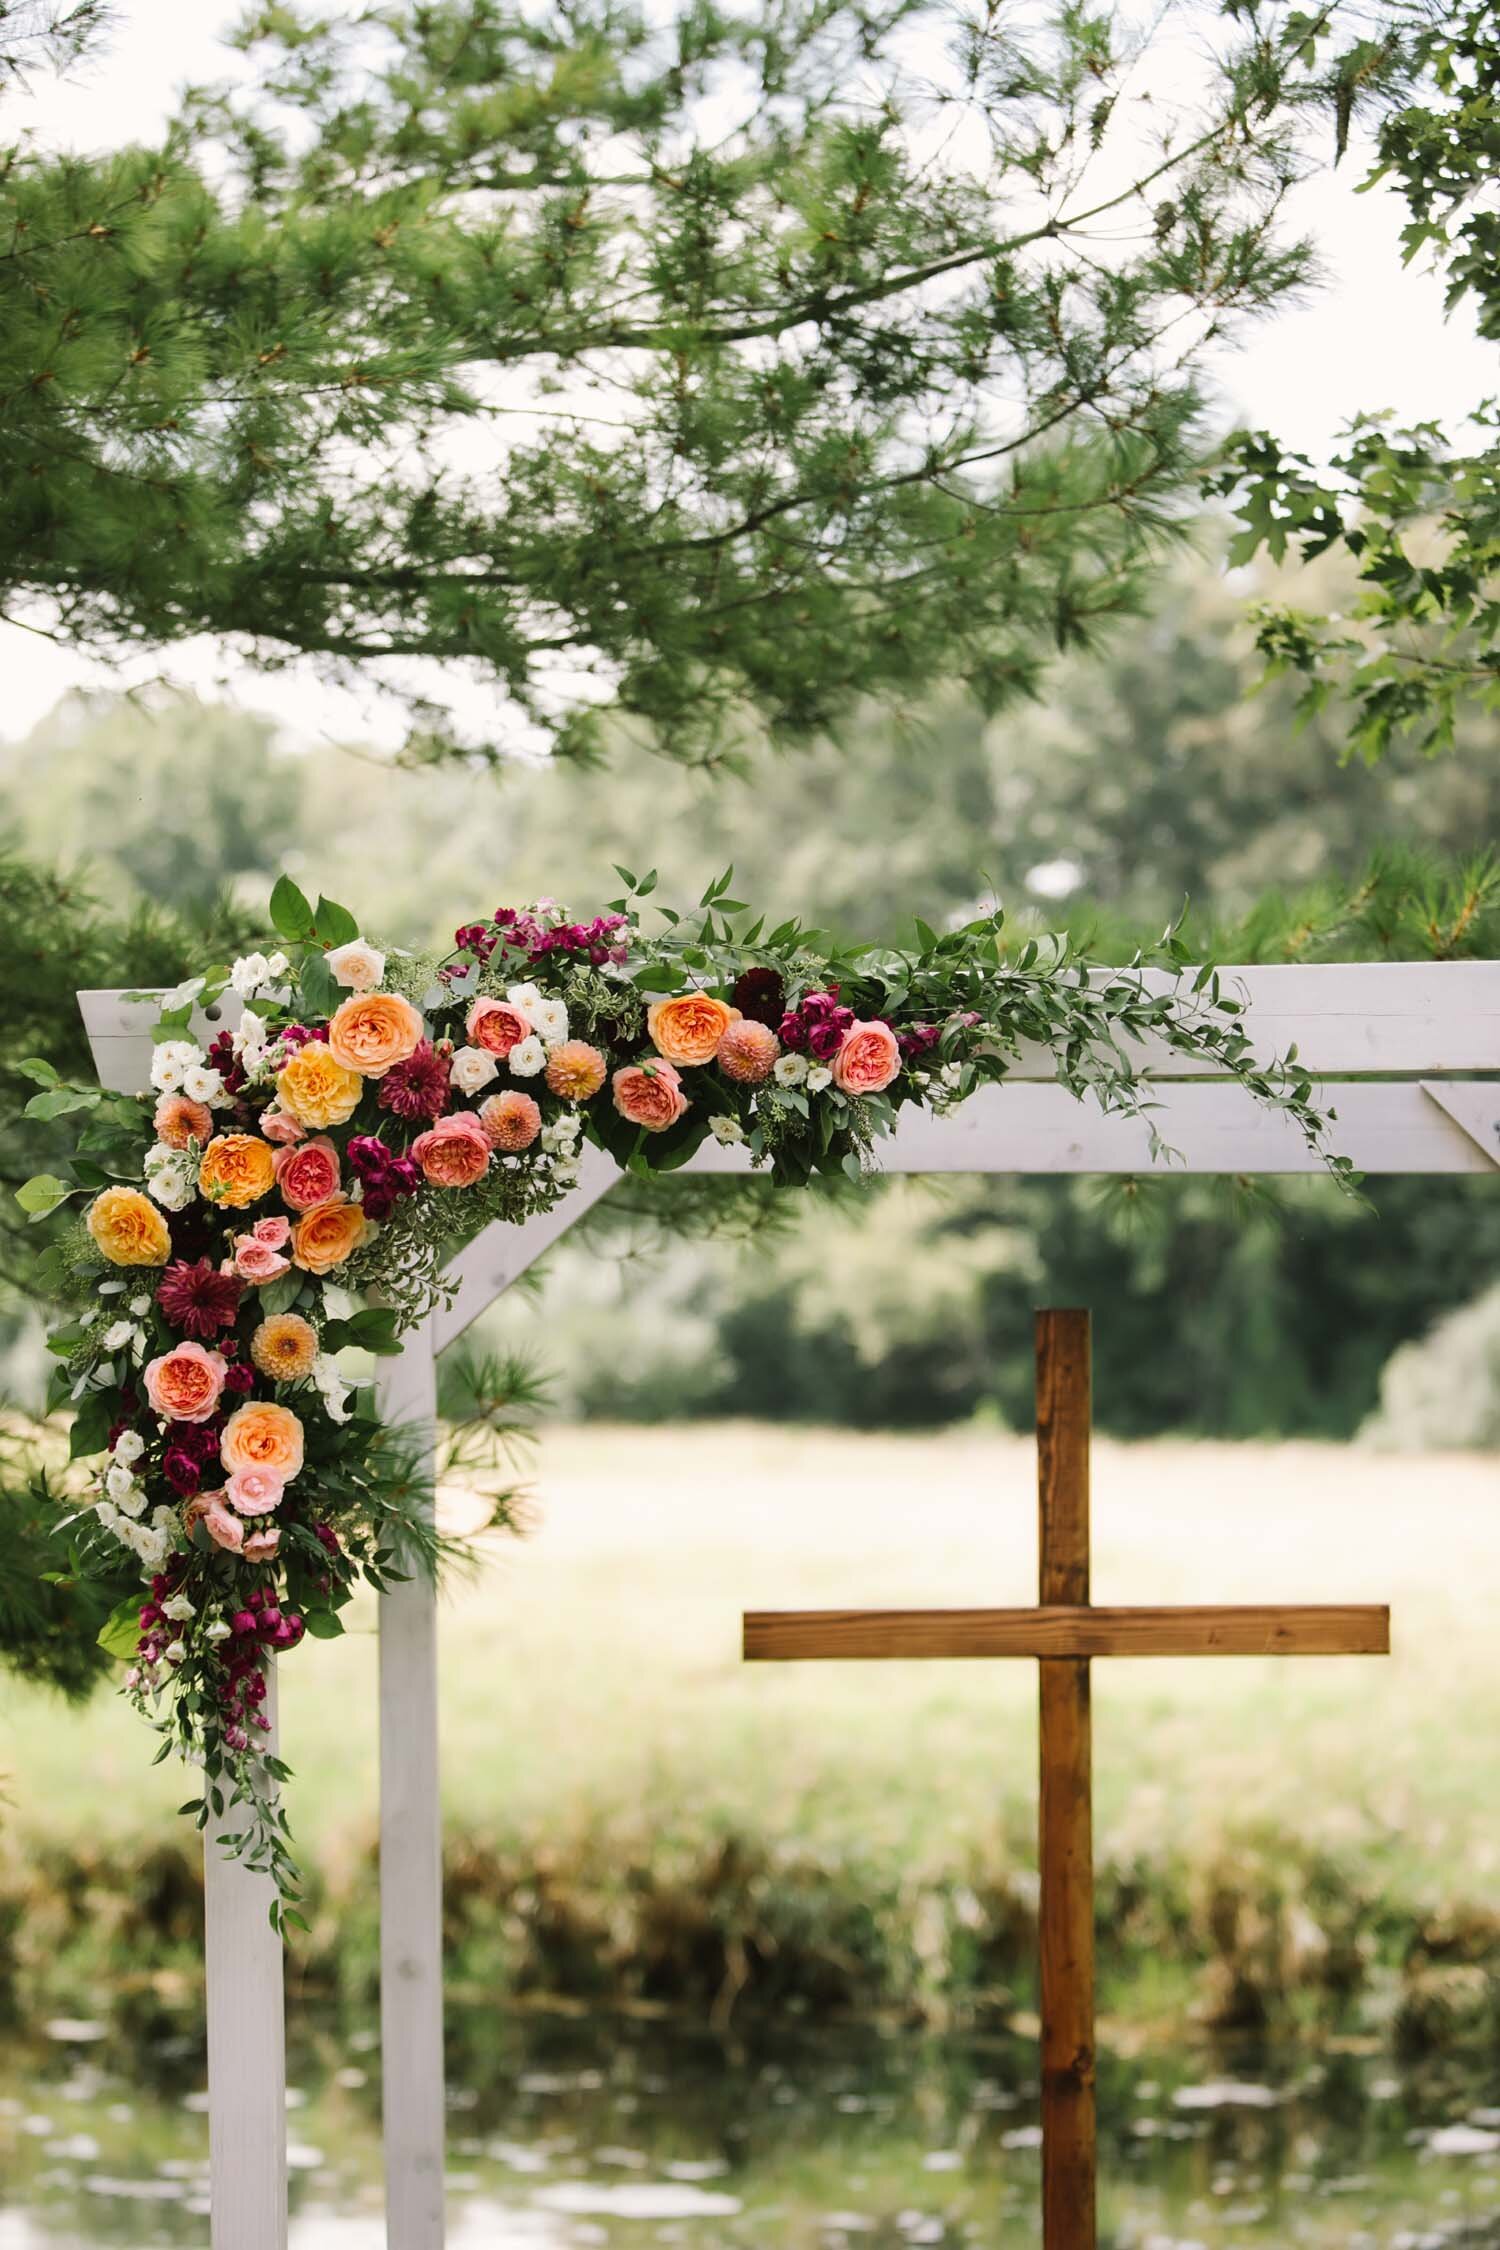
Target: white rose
(129, 1445)
(332, 1388)
(108, 1514)
(175, 1651)
(179, 1609)
(818, 1077)
(117, 1337)
(471, 1068)
(357, 965)
(251, 1033)
(202, 1084)
(550, 1019)
(527, 1058)
(790, 1070)
(171, 1059)
(526, 997)
(153, 1547)
(170, 1177)
(276, 967)
(565, 1171)
(726, 1129)
(139, 1307)
(162, 1519)
(217, 1631)
(118, 1480)
(249, 973)
(133, 1502)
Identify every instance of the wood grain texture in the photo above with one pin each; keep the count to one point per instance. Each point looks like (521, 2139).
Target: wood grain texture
(1066, 1911)
(246, 2042)
(411, 1866)
(1072, 1630)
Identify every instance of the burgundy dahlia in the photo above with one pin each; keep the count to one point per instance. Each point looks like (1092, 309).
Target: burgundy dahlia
(199, 1299)
(417, 1087)
(760, 994)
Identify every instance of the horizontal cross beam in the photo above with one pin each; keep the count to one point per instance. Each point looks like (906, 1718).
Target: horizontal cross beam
(1252, 1629)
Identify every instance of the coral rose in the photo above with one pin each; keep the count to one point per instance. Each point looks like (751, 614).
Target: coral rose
(178, 1121)
(128, 1228)
(868, 1059)
(455, 1152)
(223, 1528)
(236, 1169)
(575, 1070)
(284, 1347)
(747, 1052)
(497, 1026)
(186, 1383)
(649, 1095)
(277, 1126)
(258, 1436)
(257, 1261)
(371, 1030)
(316, 1090)
(511, 1120)
(308, 1173)
(327, 1234)
(687, 1028)
(262, 1545)
(254, 1492)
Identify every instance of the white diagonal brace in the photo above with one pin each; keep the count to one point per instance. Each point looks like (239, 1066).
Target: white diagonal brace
(1474, 1106)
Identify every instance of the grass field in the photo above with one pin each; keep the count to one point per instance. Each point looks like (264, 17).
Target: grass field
(591, 1680)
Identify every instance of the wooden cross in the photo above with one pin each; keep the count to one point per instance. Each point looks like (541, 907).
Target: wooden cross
(1065, 1632)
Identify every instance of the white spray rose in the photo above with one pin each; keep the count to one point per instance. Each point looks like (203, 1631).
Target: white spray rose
(526, 997)
(129, 1445)
(249, 973)
(528, 1058)
(203, 1084)
(471, 1068)
(179, 1609)
(726, 1129)
(357, 965)
(170, 1176)
(790, 1070)
(171, 1060)
(550, 1018)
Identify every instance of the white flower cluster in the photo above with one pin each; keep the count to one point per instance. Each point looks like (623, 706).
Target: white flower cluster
(171, 1175)
(940, 1089)
(796, 1070)
(179, 1066)
(253, 971)
(560, 1141)
(121, 1509)
(331, 1387)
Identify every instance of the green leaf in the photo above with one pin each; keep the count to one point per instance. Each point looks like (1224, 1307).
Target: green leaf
(42, 1194)
(321, 991)
(90, 1431)
(335, 924)
(120, 1633)
(39, 1071)
(323, 1624)
(59, 1100)
(291, 915)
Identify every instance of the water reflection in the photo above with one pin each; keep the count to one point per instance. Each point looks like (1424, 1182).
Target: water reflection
(579, 2135)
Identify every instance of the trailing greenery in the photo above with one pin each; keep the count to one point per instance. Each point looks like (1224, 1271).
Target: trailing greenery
(719, 367)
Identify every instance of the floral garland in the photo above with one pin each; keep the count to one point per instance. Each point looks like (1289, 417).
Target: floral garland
(294, 1188)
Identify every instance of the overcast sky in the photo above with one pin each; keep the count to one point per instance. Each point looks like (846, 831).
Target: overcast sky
(1375, 337)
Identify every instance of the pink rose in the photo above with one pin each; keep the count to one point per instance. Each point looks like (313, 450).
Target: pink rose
(277, 1232)
(496, 1026)
(455, 1152)
(308, 1174)
(649, 1094)
(262, 1545)
(277, 1125)
(255, 1260)
(868, 1059)
(254, 1492)
(224, 1529)
(186, 1383)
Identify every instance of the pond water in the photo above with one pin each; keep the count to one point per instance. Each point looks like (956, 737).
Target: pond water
(577, 2134)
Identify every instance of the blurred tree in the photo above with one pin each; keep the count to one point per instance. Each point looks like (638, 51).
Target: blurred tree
(1416, 511)
(699, 365)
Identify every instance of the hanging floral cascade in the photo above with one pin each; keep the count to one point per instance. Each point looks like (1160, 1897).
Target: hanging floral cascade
(287, 1193)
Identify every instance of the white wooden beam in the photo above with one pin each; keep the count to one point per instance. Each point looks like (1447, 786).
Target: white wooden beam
(486, 1267)
(1474, 1106)
(246, 2041)
(411, 1861)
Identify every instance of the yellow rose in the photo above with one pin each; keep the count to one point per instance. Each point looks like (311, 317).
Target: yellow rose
(688, 1028)
(128, 1228)
(236, 1169)
(327, 1234)
(316, 1089)
(372, 1030)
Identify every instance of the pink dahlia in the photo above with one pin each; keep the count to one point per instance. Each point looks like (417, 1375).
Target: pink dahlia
(197, 1298)
(417, 1087)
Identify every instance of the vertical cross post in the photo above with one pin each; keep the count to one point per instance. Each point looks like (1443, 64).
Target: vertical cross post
(411, 1862)
(246, 2040)
(1066, 1825)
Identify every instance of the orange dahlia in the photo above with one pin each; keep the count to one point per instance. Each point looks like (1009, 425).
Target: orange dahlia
(284, 1347)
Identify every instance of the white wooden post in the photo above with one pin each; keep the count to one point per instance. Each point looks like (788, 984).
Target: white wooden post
(246, 2040)
(411, 1862)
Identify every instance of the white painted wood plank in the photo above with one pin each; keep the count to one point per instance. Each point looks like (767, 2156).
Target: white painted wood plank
(1474, 1105)
(1021, 1128)
(485, 1268)
(411, 1864)
(246, 2043)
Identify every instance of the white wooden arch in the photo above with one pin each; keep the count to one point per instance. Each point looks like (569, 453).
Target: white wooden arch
(1408, 1054)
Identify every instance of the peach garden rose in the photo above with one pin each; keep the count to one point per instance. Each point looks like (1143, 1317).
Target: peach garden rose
(649, 1095)
(687, 1028)
(262, 1436)
(186, 1383)
(328, 1234)
(455, 1152)
(372, 1030)
(868, 1059)
(497, 1026)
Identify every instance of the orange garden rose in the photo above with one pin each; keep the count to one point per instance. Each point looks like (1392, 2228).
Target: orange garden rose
(284, 1347)
(327, 1234)
(575, 1070)
(262, 1436)
(316, 1090)
(236, 1169)
(178, 1121)
(496, 1026)
(372, 1030)
(128, 1228)
(649, 1095)
(687, 1028)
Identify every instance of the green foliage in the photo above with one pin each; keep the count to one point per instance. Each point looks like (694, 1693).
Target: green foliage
(716, 364)
(51, 1613)
(1418, 513)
